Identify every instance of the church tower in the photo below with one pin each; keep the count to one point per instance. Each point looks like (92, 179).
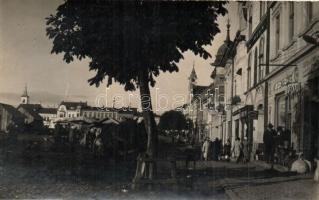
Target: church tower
(25, 97)
(192, 81)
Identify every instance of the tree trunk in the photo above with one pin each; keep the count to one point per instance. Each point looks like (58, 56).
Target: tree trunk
(149, 121)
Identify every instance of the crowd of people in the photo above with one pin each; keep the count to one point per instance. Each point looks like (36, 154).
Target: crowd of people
(214, 150)
(277, 145)
(276, 148)
(87, 137)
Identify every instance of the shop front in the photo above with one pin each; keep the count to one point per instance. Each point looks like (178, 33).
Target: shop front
(243, 123)
(311, 111)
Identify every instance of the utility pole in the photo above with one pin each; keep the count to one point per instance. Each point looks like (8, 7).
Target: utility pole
(267, 69)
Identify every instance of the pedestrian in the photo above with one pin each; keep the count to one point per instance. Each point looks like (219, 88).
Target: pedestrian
(216, 149)
(205, 149)
(227, 149)
(279, 136)
(245, 150)
(286, 139)
(236, 149)
(268, 139)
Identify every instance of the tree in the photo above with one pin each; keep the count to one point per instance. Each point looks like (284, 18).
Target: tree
(173, 120)
(132, 42)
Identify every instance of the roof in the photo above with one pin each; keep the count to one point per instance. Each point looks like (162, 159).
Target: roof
(48, 110)
(198, 89)
(127, 110)
(193, 76)
(223, 51)
(16, 115)
(32, 109)
(91, 108)
(73, 105)
(222, 54)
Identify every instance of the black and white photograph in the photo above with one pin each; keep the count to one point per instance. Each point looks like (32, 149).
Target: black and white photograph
(174, 99)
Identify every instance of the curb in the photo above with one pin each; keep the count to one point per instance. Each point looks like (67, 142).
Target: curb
(232, 195)
(229, 192)
(276, 167)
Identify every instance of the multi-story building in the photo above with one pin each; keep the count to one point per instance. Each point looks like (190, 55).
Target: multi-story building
(272, 72)
(82, 109)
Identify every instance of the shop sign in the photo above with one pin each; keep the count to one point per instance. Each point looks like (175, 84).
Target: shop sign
(293, 88)
(290, 79)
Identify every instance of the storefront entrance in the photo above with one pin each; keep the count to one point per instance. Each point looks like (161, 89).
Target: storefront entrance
(311, 121)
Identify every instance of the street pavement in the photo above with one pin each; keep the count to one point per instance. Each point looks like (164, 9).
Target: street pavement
(64, 177)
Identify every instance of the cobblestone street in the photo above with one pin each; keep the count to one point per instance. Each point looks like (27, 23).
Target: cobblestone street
(210, 180)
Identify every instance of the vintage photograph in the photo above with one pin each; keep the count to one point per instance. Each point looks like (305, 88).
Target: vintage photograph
(142, 99)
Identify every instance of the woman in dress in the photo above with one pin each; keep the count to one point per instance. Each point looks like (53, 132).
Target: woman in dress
(236, 149)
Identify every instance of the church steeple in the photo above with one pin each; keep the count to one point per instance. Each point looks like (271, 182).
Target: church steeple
(25, 96)
(227, 36)
(193, 76)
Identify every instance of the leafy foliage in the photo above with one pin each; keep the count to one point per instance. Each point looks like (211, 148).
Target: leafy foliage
(173, 120)
(123, 38)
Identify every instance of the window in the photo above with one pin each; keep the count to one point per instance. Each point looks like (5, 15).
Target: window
(261, 60)
(281, 110)
(309, 8)
(277, 35)
(262, 9)
(249, 72)
(250, 22)
(291, 20)
(235, 87)
(255, 66)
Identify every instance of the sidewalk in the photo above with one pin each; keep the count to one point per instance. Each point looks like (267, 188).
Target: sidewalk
(278, 187)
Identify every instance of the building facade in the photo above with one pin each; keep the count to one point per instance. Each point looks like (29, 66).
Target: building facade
(268, 74)
(271, 73)
(10, 117)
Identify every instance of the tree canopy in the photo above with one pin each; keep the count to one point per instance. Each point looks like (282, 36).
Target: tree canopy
(123, 38)
(173, 120)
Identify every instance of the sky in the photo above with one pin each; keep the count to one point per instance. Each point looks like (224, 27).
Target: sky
(25, 59)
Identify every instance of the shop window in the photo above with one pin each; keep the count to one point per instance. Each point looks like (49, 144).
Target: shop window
(280, 110)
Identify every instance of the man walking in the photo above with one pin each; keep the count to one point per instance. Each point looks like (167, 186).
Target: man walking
(269, 143)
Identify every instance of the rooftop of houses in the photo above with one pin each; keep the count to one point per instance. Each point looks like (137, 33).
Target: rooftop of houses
(13, 111)
(32, 109)
(74, 105)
